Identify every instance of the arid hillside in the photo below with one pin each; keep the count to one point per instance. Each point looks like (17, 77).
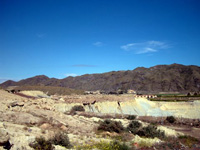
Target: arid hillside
(161, 78)
(33, 120)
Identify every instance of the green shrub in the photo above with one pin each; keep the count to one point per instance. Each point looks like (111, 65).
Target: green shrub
(134, 126)
(77, 108)
(151, 131)
(41, 144)
(119, 146)
(61, 139)
(131, 117)
(170, 119)
(111, 126)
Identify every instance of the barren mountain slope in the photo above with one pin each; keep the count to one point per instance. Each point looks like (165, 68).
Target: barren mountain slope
(161, 78)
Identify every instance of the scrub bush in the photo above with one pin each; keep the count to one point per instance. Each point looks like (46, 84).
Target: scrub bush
(111, 126)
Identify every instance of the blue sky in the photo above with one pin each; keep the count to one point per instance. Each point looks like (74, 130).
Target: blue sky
(59, 38)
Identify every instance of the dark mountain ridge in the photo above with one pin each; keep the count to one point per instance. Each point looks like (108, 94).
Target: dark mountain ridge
(160, 78)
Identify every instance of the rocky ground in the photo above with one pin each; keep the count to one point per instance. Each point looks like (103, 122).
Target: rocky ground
(32, 114)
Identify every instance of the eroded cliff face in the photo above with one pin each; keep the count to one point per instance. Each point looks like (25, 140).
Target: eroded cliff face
(140, 107)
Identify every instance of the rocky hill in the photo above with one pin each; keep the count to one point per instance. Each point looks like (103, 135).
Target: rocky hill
(160, 78)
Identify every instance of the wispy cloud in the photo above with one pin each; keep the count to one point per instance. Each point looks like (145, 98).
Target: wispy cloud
(98, 44)
(40, 35)
(83, 65)
(71, 74)
(145, 47)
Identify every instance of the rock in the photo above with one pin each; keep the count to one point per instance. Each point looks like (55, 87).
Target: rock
(14, 104)
(45, 126)
(109, 134)
(58, 147)
(4, 137)
(64, 128)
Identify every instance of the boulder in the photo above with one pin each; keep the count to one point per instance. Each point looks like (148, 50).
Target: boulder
(45, 126)
(4, 137)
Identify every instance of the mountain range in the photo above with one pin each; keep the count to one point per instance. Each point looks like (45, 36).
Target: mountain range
(160, 78)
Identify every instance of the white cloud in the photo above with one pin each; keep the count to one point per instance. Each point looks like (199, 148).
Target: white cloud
(98, 44)
(145, 47)
(128, 46)
(71, 74)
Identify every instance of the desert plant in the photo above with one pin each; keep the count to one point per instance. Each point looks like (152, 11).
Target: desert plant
(131, 117)
(119, 146)
(41, 144)
(61, 139)
(151, 131)
(111, 126)
(134, 126)
(170, 119)
(77, 108)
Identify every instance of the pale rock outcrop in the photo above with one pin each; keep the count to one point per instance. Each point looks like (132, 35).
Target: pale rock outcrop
(4, 137)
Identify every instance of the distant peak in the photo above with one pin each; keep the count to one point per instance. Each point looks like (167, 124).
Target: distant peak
(40, 76)
(175, 64)
(10, 81)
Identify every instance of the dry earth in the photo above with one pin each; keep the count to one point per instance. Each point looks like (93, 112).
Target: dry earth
(22, 119)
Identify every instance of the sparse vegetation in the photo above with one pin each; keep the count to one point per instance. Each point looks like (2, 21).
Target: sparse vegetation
(111, 126)
(103, 145)
(41, 144)
(182, 142)
(77, 108)
(125, 136)
(151, 131)
(176, 97)
(134, 126)
(188, 140)
(61, 139)
(170, 119)
(131, 117)
(144, 144)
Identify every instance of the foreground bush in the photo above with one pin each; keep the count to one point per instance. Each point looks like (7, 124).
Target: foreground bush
(41, 144)
(170, 119)
(151, 131)
(111, 126)
(61, 139)
(134, 126)
(77, 108)
(131, 117)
